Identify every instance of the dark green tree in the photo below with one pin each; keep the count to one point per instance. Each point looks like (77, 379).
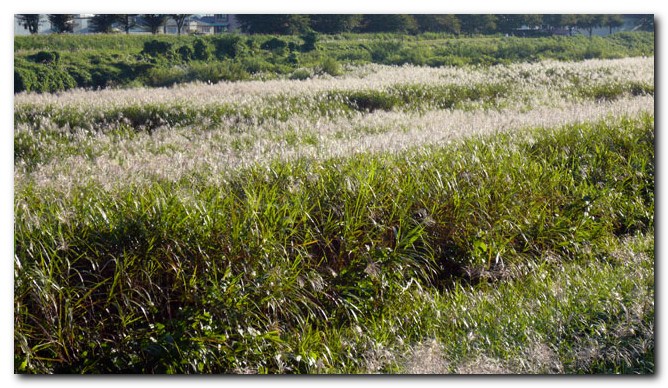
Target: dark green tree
(310, 39)
(335, 23)
(452, 24)
(569, 21)
(552, 21)
(127, 21)
(438, 23)
(201, 50)
(180, 20)
(274, 24)
(478, 23)
(153, 22)
(588, 22)
(389, 23)
(508, 23)
(532, 20)
(61, 23)
(29, 21)
(103, 22)
(646, 22)
(613, 21)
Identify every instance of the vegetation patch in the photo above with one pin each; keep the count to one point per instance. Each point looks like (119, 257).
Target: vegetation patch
(339, 265)
(130, 60)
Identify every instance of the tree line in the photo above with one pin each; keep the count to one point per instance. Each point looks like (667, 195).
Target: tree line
(103, 23)
(467, 24)
(287, 24)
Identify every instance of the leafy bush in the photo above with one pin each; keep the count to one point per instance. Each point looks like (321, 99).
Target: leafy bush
(438, 61)
(371, 100)
(293, 59)
(218, 71)
(186, 53)
(81, 75)
(274, 44)
(229, 46)
(106, 75)
(257, 64)
(157, 48)
(34, 77)
(202, 51)
(331, 66)
(353, 54)
(310, 40)
(301, 74)
(25, 79)
(381, 51)
(414, 55)
(45, 57)
(612, 91)
(166, 76)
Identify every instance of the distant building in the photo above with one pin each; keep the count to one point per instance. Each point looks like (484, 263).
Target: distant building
(221, 22)
(82, 23)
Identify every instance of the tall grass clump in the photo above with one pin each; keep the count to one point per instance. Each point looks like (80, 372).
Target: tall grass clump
(340, 265)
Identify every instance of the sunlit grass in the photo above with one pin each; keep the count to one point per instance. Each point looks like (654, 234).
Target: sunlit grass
(498, 248)
(367, 89)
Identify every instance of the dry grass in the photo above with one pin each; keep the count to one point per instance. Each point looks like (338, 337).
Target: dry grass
(427, 358)
(484, 365)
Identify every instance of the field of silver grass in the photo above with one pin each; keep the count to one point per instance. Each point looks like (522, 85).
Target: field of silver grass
(395, 220)
(538, 95)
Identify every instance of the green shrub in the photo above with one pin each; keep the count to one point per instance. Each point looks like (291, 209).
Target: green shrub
(166, 76)
(81, 75)
(218, 71)
(256, 64)
(438, 61)
(275, 45)
(593, 51)
(25, 79)
(612, 91)
(103, 76)
(381, 51)
(353, 54)
(415, 56)
(310, 40)
(45, 57)
(33, 77)
(371, 100)
(301, 74)
(293, 59)
(229, 46)
(202, 51)
(186, 53)
(331, 66)
(156, 48)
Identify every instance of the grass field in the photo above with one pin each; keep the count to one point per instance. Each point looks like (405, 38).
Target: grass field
(52, 63)
(393, 219)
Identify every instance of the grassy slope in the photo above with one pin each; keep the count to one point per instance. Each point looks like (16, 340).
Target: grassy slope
(343, 265)
(114, 60)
